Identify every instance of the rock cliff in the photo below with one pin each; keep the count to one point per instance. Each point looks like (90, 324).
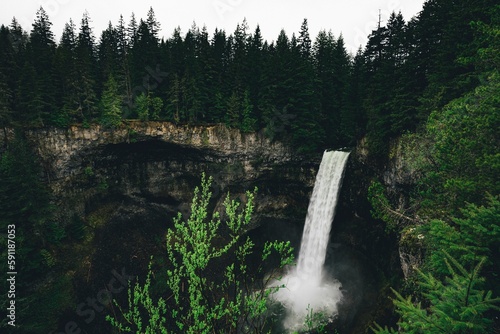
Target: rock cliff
(158, 164)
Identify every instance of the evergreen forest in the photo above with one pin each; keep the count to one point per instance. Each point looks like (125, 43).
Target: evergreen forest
(431, 83)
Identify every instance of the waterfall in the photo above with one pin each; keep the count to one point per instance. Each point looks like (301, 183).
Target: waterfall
(305, 287)
(320, 215)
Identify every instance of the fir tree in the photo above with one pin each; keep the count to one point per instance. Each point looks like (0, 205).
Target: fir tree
(248, 122)
(111, 113)
(456, 305)
(152, 24)
(41, 52)
(304, 40)
(68, 74)
(86, 65)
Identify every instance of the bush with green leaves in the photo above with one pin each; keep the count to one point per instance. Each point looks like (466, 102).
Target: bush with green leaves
(212, 284)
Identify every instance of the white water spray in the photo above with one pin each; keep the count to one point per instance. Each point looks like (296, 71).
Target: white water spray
(305, 287)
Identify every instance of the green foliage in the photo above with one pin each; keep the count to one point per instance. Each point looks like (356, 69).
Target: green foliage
(156, 107)
(248, 123)
(456, 305)
(475, 235)
(382, 208)
(380, 205)
(455, 203)
(89, 171)
(315, 321)
(142, 107)
(206, 299)
(232, 118)
(103, 185)
(56, 233)
(465, 160)
(111, 115)
(48, 258)
(148, 108)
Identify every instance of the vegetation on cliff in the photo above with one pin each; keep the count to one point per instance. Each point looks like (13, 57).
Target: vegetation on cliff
(454, 209)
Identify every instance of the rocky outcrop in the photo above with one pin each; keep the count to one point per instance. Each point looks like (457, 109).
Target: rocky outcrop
(399, 178)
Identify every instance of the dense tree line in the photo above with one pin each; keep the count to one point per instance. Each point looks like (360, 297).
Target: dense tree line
(312, 92)
(287, 87)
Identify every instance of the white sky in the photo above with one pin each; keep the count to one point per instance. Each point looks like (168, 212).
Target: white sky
(355, 19)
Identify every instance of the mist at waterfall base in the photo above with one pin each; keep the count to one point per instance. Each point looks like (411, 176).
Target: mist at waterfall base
(307, 288)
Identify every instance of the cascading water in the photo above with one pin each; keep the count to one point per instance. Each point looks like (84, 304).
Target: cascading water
(320, 215)
(305, 287)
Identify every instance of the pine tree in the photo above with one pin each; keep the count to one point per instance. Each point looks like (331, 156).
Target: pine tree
(86, 65)
(111, 113)
(41, 52)
(132, 31)
(144, 57)
(352, 117)
(445, 35)
(107, 53)
(387, 103)
(193, 100)
(248, 122)
(456, 305)
(30, 104)
(232, 117)
(332, 65)
(174, 107)
(255, 66)
(68, 76)
(239, 59)
(7, 65)
(307, 133)
(206, 75)
(304, 40)
(123, 77)
(152, 24)
(18, 37)
(220, 54)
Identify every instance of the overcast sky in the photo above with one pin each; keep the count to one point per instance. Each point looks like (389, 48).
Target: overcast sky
(355, 19)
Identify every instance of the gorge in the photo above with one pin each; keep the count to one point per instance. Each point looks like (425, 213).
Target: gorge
(125, 185)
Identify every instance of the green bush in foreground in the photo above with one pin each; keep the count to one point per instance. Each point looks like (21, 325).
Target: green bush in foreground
(457, 304)
(213, 289)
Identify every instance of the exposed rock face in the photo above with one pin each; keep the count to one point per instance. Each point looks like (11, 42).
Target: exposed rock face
(158, 164)
(399, 177)
(363, 233)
